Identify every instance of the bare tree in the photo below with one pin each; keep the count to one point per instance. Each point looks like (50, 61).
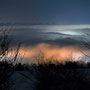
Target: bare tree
(6, 69)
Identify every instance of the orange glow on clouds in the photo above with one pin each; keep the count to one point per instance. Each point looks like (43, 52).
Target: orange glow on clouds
(46, 51)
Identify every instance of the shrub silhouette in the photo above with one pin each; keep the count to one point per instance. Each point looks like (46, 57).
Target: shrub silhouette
(6, 67)
(46, 76)
(54, 78)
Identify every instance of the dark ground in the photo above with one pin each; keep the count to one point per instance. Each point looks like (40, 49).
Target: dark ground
(71, 76)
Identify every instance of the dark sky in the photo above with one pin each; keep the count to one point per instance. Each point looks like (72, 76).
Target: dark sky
(45, 11)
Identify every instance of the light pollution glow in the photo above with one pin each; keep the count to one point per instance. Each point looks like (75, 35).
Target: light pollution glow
(49, 51)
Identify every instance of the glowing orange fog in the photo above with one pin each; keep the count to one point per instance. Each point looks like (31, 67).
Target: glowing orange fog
(49, 51)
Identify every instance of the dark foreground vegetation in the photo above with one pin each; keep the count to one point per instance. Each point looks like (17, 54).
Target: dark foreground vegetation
(67, 76)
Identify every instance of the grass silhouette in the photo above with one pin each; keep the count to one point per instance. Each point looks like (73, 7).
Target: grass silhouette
(70, 75)
(44, 75)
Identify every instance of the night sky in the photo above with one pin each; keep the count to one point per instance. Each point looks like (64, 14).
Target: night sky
(45, 11)
(53, 31)
(55, 27)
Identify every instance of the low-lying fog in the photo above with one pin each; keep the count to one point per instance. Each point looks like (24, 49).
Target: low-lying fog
(59, 42)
